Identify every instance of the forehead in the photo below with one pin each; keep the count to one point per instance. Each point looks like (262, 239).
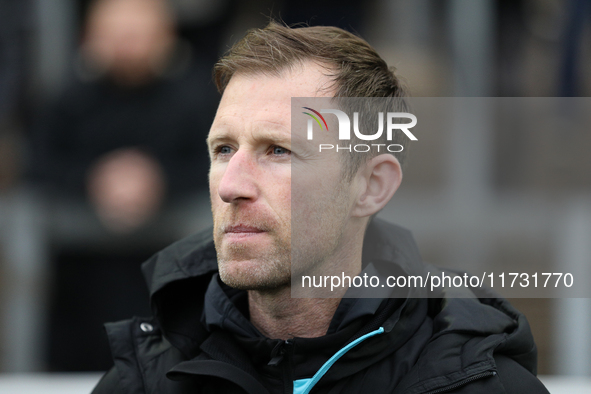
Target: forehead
(267, 98)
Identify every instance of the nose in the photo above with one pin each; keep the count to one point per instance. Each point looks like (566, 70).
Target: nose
(239, 180)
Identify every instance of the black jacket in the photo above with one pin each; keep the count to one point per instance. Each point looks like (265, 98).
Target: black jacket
(407, 345)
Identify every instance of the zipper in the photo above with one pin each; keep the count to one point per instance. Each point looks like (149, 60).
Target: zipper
(278, 352)
(463, 382)
(281, 356)
(288, 366)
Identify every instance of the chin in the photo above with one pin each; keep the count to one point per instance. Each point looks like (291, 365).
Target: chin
(252, 275)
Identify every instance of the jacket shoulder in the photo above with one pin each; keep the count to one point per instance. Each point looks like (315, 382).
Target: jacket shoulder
(122, 338)
(516, 379)
(142, 356)
(110, 383)
(510, 378)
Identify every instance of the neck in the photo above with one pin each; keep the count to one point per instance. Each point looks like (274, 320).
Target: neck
(278, 316)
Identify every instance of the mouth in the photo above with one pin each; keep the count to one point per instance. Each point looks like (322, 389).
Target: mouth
(242, 231)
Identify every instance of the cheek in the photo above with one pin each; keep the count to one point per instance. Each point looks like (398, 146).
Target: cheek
(307, 208)
(310, 186)
(277, 185)
(285, 193)
(319, 202)
(215, 176)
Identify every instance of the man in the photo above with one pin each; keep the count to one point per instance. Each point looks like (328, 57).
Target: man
(125, 136)
(224, 317)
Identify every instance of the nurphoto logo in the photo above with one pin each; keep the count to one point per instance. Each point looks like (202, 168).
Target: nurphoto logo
(345, 130)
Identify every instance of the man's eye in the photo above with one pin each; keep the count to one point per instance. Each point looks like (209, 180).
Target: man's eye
(224, 150)
(277, 150)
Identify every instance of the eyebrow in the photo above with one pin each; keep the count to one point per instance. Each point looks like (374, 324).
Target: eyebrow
(260, 135)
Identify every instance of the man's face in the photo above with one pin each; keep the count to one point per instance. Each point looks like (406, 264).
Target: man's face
(250, 180)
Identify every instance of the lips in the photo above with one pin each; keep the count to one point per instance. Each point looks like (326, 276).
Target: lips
(242, 229)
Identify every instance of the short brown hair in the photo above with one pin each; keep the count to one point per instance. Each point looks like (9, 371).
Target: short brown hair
(356, 68)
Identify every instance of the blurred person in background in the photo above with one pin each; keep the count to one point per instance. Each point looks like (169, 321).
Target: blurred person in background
(126, 140)
(128, 136)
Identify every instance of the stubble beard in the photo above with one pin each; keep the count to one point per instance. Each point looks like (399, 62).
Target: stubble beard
(245, 267)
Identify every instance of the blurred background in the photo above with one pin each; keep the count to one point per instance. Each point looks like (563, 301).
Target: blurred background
(105, 106)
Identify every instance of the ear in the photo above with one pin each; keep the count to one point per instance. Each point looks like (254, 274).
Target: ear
(379, 181)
